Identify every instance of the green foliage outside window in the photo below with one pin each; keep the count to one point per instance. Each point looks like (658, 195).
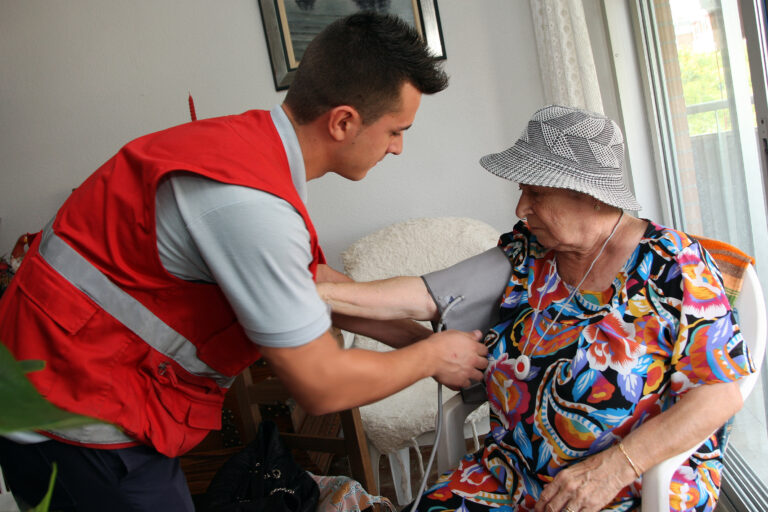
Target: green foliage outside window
(701, 74)
(703, 79)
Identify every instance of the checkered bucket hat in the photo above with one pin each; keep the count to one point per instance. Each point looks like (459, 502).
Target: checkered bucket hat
(570, 148)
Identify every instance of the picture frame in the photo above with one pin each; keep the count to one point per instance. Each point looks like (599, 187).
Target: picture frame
(289, 25)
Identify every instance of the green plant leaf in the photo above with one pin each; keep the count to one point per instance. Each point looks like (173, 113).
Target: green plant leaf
(31, 365)
(23, 408)
(44, 505)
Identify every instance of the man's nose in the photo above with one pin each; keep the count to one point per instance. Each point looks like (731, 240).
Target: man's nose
(396, 146)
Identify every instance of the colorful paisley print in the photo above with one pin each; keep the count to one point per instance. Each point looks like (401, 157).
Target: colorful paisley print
(611, 361)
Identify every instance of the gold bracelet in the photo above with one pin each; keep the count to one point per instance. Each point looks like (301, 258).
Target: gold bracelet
(631, 463)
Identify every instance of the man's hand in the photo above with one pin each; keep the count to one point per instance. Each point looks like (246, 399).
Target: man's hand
(459, 357)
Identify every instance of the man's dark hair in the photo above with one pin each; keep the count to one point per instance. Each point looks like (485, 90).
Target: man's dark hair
(362, 61)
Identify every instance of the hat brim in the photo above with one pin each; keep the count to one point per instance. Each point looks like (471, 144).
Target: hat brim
(521, 166)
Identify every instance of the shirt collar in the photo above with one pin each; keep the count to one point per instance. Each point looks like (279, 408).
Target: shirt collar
(292, 150)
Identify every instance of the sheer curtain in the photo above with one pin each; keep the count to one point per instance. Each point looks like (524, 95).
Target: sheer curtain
(565, 54)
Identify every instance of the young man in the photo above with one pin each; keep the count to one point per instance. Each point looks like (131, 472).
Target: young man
(189, 254)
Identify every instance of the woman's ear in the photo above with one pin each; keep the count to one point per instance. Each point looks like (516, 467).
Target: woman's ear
(344, 121)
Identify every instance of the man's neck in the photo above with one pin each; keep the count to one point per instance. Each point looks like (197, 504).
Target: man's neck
(313, 148)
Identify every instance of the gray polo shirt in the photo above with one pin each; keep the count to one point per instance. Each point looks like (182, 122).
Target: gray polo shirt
(254, 245)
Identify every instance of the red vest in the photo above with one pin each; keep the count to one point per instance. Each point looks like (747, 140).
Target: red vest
(124, 340)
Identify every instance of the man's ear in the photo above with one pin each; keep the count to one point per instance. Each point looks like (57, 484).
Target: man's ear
(344, 121)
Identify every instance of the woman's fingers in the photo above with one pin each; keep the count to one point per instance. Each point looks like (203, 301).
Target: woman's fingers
(584, 487)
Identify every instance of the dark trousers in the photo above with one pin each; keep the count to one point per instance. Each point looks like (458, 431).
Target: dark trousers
(128, 479)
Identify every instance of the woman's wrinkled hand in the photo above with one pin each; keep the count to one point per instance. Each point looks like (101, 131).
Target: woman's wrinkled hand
(587, 486)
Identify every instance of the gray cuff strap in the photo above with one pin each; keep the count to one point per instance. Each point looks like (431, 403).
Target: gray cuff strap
(480, 280)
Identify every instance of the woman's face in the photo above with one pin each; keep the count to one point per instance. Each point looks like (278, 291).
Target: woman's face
(561, 219)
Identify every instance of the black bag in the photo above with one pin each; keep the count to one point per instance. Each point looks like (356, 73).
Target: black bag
(262, 477)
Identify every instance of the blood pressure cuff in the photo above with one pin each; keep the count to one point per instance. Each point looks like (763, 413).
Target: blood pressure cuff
(480, 280)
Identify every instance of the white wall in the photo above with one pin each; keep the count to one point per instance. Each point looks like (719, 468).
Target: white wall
(82, 77)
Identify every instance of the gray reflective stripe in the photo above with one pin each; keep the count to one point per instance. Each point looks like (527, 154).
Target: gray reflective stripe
(98, 433)
(127, 310)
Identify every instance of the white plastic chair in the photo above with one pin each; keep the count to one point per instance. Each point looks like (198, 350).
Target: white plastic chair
(750, 305)
(407, 419)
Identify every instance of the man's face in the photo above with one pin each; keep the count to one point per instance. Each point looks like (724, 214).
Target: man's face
(385, 135)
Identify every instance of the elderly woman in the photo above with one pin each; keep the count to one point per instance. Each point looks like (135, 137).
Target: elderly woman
(612, 346)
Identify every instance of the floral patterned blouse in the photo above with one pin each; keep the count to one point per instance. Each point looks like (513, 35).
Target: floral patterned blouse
(611, 360)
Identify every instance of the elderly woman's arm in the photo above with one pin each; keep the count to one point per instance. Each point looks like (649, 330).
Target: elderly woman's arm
(474, 285)
(355, 308)
(387, 299)
(596, 481)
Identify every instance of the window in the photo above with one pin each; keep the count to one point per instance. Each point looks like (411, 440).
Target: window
(711, 157)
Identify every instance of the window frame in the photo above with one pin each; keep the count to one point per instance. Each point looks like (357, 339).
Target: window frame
(638, 79)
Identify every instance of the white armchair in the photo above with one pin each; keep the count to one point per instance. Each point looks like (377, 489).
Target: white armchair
(656, 481)
(751, 309)
(407, 419)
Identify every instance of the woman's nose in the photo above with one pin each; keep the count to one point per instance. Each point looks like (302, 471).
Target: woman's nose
(523, 206)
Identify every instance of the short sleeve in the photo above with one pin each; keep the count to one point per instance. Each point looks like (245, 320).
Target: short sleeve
(477, 284)
(256, 247)
(709, 347)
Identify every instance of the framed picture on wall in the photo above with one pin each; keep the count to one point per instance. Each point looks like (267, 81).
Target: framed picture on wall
(290, 25)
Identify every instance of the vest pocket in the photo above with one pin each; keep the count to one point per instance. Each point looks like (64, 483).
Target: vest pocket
(182, 402)
(177, 418)
(204, 416)
(67, 306)
(188, 411)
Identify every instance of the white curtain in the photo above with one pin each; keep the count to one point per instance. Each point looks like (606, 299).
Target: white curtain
(565, 54)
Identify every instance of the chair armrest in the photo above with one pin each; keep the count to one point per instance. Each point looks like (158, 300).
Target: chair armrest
(451, 446)
(655, 493)
(751, 307)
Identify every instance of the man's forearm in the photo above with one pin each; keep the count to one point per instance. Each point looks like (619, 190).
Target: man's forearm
(324, 378)
(387, 299)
